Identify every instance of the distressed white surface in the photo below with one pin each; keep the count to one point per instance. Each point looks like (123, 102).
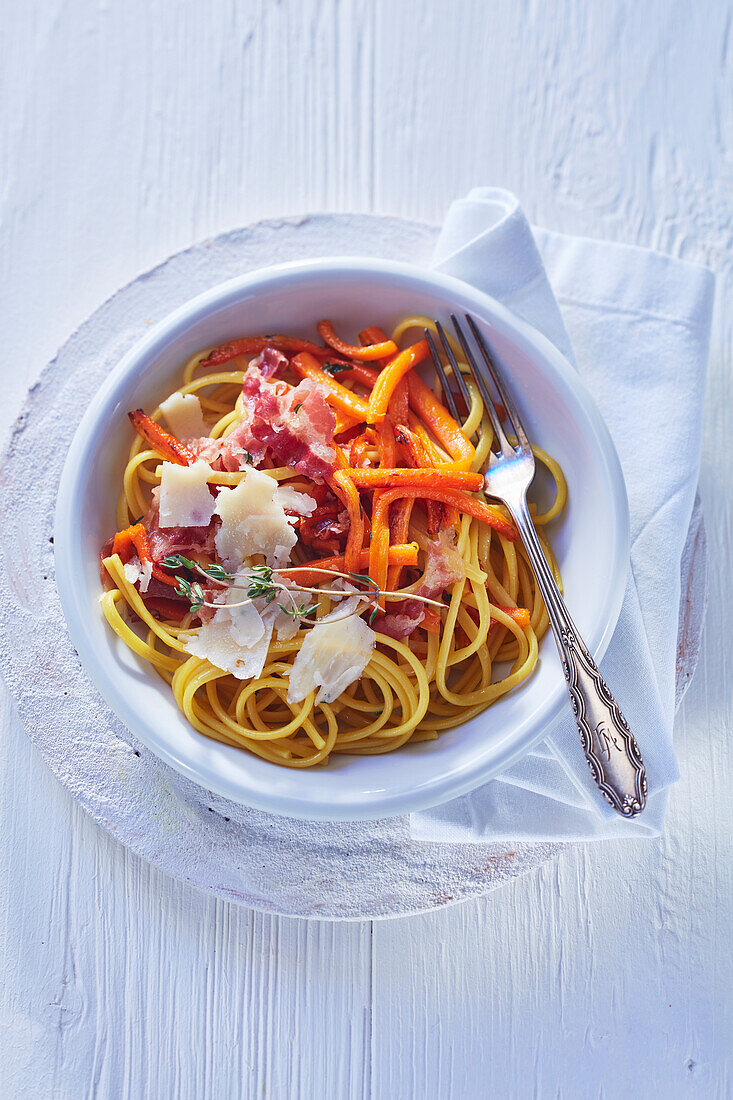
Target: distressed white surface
(129, 130)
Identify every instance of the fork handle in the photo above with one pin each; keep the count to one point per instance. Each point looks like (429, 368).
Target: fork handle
(609, 745)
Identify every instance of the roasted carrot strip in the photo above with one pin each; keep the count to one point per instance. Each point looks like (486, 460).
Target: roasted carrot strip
(357, 448)
(355, 351)
(416, 454)
(427, 476)
(379, 544)
(134, 537)
(389, 378)
(360, 372)
(431, 620)
(345, 489)
(251, 345)
(344, 400)
(400, 403)
(374, 335)
(400, 555)
(399, 527)
(485, 513)
(445, 429)
(520, 615)
(344, 423)
(137, 537)
(161, 441)
(386, 444)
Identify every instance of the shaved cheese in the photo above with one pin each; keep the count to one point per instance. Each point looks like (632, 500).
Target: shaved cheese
(334, 653)
(236, 640)
(253, 521)
(132, 571)
(183, 415)
(146, 575)
(294, 501)
(185, 500)
(286, 626)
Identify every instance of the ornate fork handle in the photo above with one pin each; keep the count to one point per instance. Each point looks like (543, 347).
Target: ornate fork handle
(609, 745)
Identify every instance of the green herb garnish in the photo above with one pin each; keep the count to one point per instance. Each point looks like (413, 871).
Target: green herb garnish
(193, 592)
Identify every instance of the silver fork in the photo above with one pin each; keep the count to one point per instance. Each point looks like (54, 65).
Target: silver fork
(609, 745)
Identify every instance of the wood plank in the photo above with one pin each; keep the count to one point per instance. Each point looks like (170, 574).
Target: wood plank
(130, 130)
(120, 981)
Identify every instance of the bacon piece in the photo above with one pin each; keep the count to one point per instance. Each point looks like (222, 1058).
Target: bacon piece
(296, 427)
(444, 568)
(270, 362)
(401, 624)
(163, 541)
(293, 425)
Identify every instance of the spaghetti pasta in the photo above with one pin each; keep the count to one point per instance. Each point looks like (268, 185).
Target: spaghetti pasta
(390, 553)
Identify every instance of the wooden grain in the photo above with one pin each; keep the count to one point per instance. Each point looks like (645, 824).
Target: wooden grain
(130, 129)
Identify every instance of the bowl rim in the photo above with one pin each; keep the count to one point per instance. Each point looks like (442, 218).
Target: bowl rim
(374, 803)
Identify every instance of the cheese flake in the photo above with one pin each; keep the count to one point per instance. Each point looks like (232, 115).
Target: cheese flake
(334, 653)
(185, 500)
(236, 640)
(183, 415)
(253, 521)
(301, 503)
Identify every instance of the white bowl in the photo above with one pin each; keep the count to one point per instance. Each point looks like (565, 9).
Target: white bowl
(591, 540)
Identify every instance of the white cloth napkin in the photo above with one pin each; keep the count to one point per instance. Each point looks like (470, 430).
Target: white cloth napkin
(636, 323)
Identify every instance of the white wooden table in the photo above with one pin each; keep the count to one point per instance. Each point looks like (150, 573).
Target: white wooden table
(128, 130)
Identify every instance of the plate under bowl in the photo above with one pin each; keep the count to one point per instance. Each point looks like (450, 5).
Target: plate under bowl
(591, 540)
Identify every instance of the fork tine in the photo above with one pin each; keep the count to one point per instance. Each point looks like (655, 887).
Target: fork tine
(504, 394)
(457, 373)
(480, 381)
(440, 371)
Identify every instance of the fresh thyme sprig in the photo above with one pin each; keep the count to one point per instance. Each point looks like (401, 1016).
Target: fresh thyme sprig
(298, 612)
(193, 592)
(336, 368)
(215, 571)
(262, 582)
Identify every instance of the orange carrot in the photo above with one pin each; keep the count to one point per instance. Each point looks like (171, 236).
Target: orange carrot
(344, 423)
(344, 400)
(519, 614)
(399, 526)
(399, 403)
(379, 544)
(445, 429)
(400, 555)
(137, 537)
(343, 485)
(428, 476)
(355, 351)
(417, 454)
(251, 345)
(431, 620)
(374, 335)
(386, 444)
(485, 513)
(390, 376)
(161, 441)
(360, 372)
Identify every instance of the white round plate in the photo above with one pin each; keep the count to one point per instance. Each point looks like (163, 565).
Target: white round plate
(591, 541)
(326, 870)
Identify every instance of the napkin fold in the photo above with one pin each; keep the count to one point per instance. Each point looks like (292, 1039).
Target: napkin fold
(636, 325)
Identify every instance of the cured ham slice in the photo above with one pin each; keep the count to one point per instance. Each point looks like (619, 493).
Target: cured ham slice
(444, 568)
